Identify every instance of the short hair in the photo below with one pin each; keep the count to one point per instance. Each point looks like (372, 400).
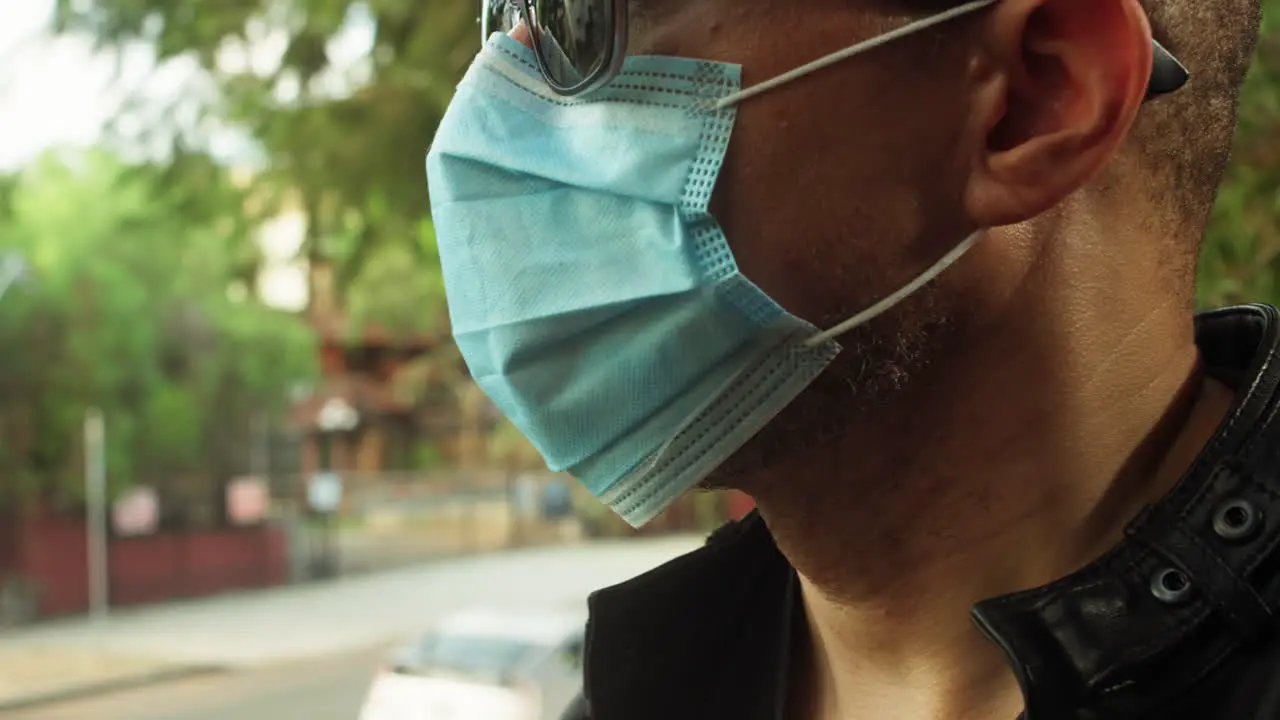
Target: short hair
(1184, 139)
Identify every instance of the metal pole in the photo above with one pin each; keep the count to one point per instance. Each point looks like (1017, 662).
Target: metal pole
(330, 559)
(260, 467)
(260, 446)
(95, 496)
(10, 271)
(326, 465)
(265, 450)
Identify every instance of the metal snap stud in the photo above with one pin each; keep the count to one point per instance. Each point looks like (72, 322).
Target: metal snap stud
(1237, 520)
(1171, 586)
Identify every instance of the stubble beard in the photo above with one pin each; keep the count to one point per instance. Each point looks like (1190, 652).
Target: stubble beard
(878, 363)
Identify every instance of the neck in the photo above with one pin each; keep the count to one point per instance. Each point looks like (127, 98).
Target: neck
(1011, 471)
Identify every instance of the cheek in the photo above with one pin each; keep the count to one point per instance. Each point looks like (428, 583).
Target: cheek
(830, 181)
(837, 189)
(821, 217)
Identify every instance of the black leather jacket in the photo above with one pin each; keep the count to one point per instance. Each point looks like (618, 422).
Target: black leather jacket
(1177, 622)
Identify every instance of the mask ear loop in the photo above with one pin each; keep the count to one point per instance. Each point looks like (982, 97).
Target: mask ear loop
(867, 315)
(850, 51)
(870, 313)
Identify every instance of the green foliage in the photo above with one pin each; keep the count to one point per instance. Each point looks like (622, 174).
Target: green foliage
(397, 295)
(427, 456)
(128, 311)
(1241, 257)
(348, 136)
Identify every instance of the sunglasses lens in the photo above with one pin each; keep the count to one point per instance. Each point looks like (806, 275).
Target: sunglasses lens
(497, 16)
(574, 38)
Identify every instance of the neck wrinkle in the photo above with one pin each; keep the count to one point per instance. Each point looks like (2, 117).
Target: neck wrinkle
(957, 503)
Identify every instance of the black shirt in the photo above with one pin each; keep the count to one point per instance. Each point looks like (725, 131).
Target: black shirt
(1175, 622)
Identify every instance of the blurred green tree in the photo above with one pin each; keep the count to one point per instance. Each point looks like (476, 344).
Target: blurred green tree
(340, 99)
(128, 310)
(344, 132)
(398, 294)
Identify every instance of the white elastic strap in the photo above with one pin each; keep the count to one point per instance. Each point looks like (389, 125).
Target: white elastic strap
(850, 51)
(870, 313)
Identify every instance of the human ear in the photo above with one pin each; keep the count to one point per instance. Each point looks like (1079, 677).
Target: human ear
(1056, 91)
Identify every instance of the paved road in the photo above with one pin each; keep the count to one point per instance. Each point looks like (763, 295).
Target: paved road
(322, 620)
(327, 689)
(256, 634)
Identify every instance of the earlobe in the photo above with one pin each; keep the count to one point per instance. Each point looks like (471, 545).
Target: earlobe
(1062, 85)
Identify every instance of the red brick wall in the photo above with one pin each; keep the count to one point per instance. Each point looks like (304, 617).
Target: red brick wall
(51, 551)
(160, 567)
(52, 554)
(8, 543)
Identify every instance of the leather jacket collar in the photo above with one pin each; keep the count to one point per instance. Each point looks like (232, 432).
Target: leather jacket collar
(1193, 585)
(1188, 586)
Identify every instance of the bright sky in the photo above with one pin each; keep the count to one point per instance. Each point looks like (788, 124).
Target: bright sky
(52, 92)
(58, 92)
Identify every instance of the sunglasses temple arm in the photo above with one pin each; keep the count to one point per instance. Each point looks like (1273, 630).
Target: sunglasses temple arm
(1167, 73)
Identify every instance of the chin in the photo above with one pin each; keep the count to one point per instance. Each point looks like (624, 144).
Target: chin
(878, 365)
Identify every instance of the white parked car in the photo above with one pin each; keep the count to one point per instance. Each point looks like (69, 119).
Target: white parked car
(484, 665)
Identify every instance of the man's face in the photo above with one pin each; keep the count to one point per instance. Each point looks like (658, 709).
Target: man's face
(840, 187)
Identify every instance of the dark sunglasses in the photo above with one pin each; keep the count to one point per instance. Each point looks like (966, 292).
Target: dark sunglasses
(580, 44)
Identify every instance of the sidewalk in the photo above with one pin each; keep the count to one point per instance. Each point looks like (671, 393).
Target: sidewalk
(302, 622)
(38, 674)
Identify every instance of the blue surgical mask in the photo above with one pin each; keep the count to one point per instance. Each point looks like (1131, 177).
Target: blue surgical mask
(594, 298)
